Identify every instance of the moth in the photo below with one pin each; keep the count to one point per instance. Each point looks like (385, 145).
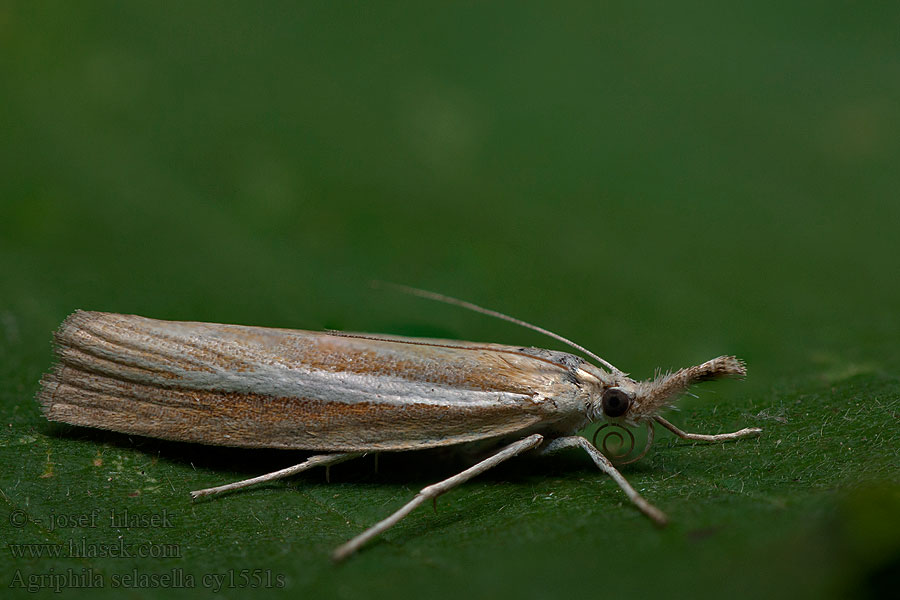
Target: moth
(342, 395)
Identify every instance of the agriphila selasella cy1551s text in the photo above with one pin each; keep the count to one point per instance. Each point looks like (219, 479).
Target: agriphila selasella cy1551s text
(348, 394)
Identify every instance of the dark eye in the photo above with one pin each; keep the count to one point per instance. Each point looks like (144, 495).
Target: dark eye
(615, 402)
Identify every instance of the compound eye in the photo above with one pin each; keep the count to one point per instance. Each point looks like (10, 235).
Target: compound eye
(615, 402)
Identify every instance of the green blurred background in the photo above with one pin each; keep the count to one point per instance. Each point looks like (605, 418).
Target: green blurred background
(663, 182)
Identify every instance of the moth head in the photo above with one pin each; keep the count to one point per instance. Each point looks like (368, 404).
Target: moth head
(626, 401)
(615, 399)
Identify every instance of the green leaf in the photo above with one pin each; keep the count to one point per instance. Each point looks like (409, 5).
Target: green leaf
(663, 183)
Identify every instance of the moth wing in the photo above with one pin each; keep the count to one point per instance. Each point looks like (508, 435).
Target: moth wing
(259, 387)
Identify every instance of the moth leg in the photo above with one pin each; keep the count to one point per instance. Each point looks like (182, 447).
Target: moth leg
(701, 437)
(319, 460)
(656, 515)
(435, 490)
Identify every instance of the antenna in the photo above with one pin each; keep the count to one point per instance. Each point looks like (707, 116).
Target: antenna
(491, 313)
